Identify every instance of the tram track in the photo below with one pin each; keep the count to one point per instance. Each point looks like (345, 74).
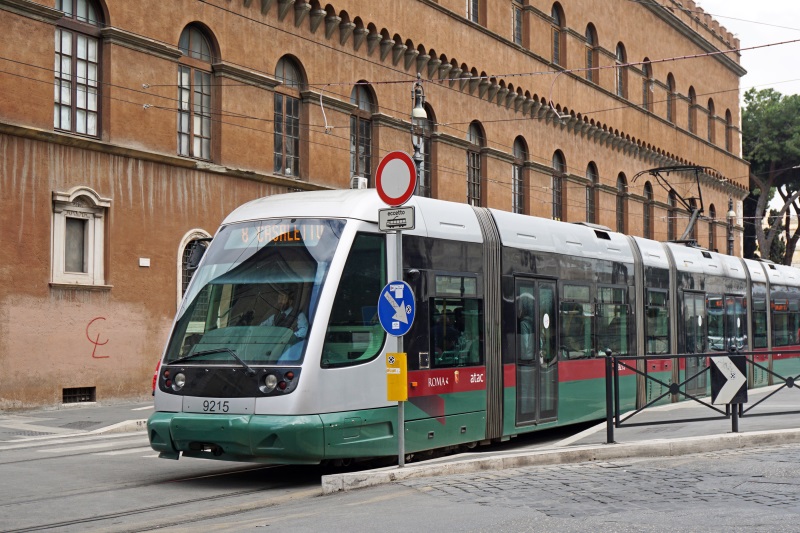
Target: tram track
(116, 488)
(164, 522)
(306, 486)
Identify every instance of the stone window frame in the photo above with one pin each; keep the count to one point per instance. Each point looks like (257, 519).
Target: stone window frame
(84, 203)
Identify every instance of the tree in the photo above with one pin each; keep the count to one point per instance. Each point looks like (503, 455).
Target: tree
(771, 143)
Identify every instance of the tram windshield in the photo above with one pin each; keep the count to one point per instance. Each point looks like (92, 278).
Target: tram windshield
(256, 293)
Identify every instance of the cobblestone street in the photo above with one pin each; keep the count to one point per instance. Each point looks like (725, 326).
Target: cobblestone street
(732, 491)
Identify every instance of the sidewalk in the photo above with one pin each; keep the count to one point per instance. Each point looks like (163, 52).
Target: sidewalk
(74, 419)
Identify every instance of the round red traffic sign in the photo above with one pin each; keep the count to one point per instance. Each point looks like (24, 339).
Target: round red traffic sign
(396, 178)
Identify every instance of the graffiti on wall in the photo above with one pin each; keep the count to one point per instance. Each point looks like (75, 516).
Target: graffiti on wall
(96, 340)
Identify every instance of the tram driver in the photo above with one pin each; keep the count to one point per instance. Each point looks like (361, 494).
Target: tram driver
(288, 314)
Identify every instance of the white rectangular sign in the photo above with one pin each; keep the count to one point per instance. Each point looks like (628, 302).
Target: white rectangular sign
(396, 218)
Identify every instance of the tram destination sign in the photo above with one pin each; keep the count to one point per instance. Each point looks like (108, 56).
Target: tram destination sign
(396, 218)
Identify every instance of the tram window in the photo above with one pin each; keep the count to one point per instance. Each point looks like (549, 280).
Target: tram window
(657, 323)
(759, 324)
(577, 316)
(737, 321)
(354, 335)
(784, 322)
(612, 320)
(715, 316)
(456, 332)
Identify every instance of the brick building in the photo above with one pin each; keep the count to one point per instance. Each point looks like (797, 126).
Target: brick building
(129, 129)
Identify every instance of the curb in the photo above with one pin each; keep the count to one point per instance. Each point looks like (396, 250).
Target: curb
(579, 454)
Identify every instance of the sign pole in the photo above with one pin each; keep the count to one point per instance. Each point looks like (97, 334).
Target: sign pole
(401, 405)
(395, 181)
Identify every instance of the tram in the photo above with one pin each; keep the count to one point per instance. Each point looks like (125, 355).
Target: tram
(276, 354)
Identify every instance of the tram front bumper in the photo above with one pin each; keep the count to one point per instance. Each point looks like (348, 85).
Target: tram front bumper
(258, 438)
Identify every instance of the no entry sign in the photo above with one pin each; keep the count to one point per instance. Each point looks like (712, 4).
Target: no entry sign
(396, 178)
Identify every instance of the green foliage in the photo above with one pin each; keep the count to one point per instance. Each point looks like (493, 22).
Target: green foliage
(771, 143)
(771, 134)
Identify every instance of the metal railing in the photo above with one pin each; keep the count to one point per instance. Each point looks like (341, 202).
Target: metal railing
(678, 391)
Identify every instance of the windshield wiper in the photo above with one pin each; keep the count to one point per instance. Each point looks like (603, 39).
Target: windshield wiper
(250, 371)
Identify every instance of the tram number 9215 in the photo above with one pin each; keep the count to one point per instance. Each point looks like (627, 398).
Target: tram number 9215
(214, 406)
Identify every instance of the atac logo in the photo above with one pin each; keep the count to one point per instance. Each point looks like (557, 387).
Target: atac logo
(455, 376)
(391, 359)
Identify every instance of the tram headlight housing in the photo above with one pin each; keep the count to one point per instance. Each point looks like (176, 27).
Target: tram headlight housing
(269, 383)
(178, 381)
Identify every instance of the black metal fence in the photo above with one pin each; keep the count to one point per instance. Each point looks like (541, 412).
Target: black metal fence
(682, 391)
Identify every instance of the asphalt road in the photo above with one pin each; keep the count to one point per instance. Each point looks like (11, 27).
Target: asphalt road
(115, 483)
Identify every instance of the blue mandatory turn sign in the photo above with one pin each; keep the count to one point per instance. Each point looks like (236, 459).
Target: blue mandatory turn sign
(396, 308)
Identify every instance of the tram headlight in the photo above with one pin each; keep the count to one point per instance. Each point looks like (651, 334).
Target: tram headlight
(178, 381)
(269, 384)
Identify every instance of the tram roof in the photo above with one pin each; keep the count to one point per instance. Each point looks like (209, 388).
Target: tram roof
(433, 218)
(542, 234)
(782, 274)
(702, 261)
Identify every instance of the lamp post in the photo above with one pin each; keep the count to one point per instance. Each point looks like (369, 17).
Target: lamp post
(418, 118)
(731, 218)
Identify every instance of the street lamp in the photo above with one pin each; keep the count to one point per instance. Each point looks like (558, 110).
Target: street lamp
(731, 218)
(418, 118)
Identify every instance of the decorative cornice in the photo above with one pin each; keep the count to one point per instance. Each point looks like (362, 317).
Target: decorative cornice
(248, 77)
(63, 139)
(494, 153)
(451, 140)
(391, 122)
(32, 10)
(313, 97)
(140, 44)
(684, 29)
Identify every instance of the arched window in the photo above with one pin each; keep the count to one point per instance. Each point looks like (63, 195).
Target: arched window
(591, 193)
(77, 67)
(728, 130)
(185, 269)
(670, 98)
(711, 120)
(620, 60)
(425, 178)
(559, 27)
(647, 219)
(692, 121)
(559, 168)
(592, 61)
(476, 141)
(518, 175)
(672, 214)
(361, 132)
(712, 216)
(647, 85)
(194, 94)
(287, 117)
(622, 189)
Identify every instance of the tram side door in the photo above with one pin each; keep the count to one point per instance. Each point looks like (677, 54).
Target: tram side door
(536, 354)
(694, 316)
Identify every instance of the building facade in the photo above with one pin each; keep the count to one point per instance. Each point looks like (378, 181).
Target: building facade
(130, 129)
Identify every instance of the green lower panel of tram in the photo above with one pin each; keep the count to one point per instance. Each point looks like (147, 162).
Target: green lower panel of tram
(261, 438)
(306, 439)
